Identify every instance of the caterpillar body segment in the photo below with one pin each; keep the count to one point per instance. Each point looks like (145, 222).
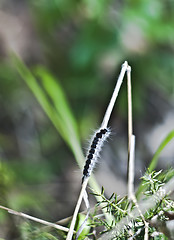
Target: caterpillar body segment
(94, 150)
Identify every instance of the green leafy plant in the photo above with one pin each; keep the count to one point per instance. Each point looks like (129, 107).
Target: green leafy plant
(122, 208)
(155, 158)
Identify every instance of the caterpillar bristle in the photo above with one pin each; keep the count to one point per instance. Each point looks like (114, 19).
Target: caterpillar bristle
(95, 148)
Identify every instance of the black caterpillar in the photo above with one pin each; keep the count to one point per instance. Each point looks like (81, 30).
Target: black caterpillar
(94, 150)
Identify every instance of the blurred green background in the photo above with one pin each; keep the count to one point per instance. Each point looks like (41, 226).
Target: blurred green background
(59, 62)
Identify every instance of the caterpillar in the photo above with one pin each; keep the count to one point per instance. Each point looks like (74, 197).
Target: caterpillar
(93, 153)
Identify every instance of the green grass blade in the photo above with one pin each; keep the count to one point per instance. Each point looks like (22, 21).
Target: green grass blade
(155, 158)
(54, 90)
(55, 93)
(58, 118)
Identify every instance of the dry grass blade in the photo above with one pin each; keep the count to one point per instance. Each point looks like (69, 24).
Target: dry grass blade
(54, 225)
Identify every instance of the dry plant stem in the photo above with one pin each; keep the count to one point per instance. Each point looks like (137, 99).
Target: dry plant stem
(130, 132)
(114, 96)
(129, 93)
(131, 193)
(146, 237)
(131, 153)
(103, 125)
(71, 229)
(131, 168)
(66, 220)
(35, 219)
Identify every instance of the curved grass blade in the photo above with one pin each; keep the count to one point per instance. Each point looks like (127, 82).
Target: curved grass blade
(62, 111)
(155, 158)
(60, 116)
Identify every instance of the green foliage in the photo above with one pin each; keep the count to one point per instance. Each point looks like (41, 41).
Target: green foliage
(6, 176)
(150, 179)
(121, 208)
(155, 158)
(31, 232)
(86, 230)
(100, 31)
(6, 183)
(54, 104)
(116, 207)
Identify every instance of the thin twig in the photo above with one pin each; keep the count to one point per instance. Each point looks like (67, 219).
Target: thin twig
(129, 93)
(114, 96)
(103, 125)
(130, 132)
(35, 219)
(146, 224)
(131, 168)
(131, 193)
(66, 220)
(131, 153)
(83, 189)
